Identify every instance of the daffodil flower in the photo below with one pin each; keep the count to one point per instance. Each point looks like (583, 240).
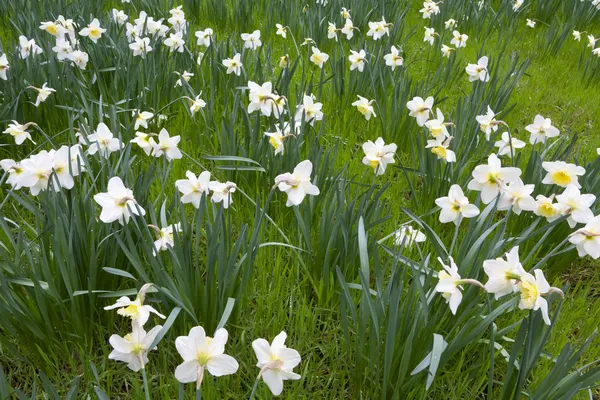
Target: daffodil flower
(28, 47)
(103, 141)
(562, 174)
(93, 30)
(587, 239)
(79, 58)
(37, 170)
(193, 187)
(357, 60)
(117, 203)
(393, 58)
(197, 104)
(503, 275)
(378, 155)
(133, 348)
(447, 50)
(440, 148)
(407, 236)
(135, 309)
(488, 179)
(165, 238)
(222, 192)
(459, 39)
(141, 118)
(281, 30)
(43, 93)
(204, 37)
(348, 29)
(478, 71)
(429, 35)
(437, 127)
(175, 42)
(450, 24)
(14, 170)
(532, 288)
(518, 196)
(167, 146)
(318, 57)
(297, 184)
(119, 16)
(4, 67)
(19, 132)
(332, 31)
(508, 145)
(576, 205)
(309, 110)
(345, 13)
(276, 362)
(364, 106)
(546, 208)
(378, 29)
(531, 23)
(541, 129)
(420, 109)
(487, 123)
(251, 40)
(448, 285)
(455, 206)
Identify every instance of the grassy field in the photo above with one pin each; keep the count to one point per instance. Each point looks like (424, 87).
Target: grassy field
(361, 310)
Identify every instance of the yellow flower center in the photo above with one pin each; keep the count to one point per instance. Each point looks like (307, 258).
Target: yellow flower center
(493, 178)
(547, 210)
(131, 311)
(561, 178)
(137, 349)
(52, 29)
(439, 151)
(529, 293)
(94, 32)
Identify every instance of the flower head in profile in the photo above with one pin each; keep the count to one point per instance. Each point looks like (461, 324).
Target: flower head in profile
(119, 16)
(531, 23)
(577, 35)
(429, 36)
(448, 285)
(28, 47)
(517, 5)
(4, 67)
(478, 71)
(420, 109)
(117, 203)
(532, 288)
(277, 138)
(378, 155)
(348, 29)
(345, 13)
(167, 146)
(19, 132)
(364, 106)
(357, 60)
(297, 184)
(450, 23)
(455, 206)
(437, 126)
(165, 236)
(562, 174)
(393, 59)
(547, 208)
(43, 93)
(50, 26)
(332, 31)
(490, 179)
(441, 149)
(136, 310)
(576, 205)
(281, 30)
(234, 65)
(447, 50)
(102, 141)
(133, 348)
(252, 40)
(407, 236)
(541, 129)
(202, 353)
(276, 362)
(503, 275)
(318, 57)
(185, 77)
(459, 39)
(222, 192)
(145, 141)
(508, 145)
(14, 171)
(587, 239)
(94, 31)
(193, 187)
(487, 123)
(518, 196)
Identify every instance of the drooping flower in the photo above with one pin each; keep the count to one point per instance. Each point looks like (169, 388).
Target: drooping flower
(455, 206)
(541, 129)
(562, 174)
(378, 155)
(576, 205)
(489, 179)
(43, 93)
(503, 275)
(134, 347)
(297, 184)
(193, 187)
(117, 203)
(276, 362)
(478, 71)
(202, 353)
(420, 109)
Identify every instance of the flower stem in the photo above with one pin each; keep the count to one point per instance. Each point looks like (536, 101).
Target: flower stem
(254, 387)
(198, 394)
(145, 379)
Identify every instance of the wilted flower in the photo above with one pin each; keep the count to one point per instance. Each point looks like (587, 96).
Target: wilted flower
(489, 179)
(455, 206)
(297, 184)
(562, 174)
(93, 30)
(541, 129)
(276, 362)
(478, 71)
(134, 347)
(420, 109)
(118, 203)
(193, 187)
(234, 65)
(202, 353)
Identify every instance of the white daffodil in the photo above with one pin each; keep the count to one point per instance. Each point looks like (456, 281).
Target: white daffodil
(489, 179)
(4, 67)
(145, 141)
(576, 205)
(455, 206)
(19, 132)
(222, 192)
(234, 65)
(140, 47)
(407, 236)
(364, 106)
(450, 24)
(62, 162)
(348, 29)
(141, 118)
(37, 170)
(252, 40)
(318, 57)
(518, 196)
(175, 42)
(261, 98)
(50, 27)
(93, 30)
(135, 309)
(332, 31)
(532, 288)
(276, 362)
(378, 29)
(429, 36)
(79, 58)
(345, 13)
(420, 109)
(185, 77)
(531, 23)
(487, 123)
(28, 47)
(193, 187)
(117, 203)
(503, 275)
(437, 127)
(357, 60)
(547, 208)
(378, 155)
(592, 41)
(14, 171)
(441, 149)
(197, 105)
(43, 93)
(204, 37)
(309, 111)
(393, 59)
(562, 174)
(276, 139)
(508, 145)
(167, 145)
(281, 30)
(63, 49)
(459, 40)
(541, 129)
(449, 284)
(202, 353)
(165, 235)
(577, 35)
(103, 141)
(119, 16)
(587, 239)
(134, 347)
(177, 19)
(447, 50)
(297, 184)
(478, 71)
(517, 5)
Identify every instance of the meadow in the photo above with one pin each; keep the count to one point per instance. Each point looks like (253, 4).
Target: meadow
(329, 199)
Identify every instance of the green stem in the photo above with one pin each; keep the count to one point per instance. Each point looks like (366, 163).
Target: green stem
(198, 394)
(145, 379)
(254, 388)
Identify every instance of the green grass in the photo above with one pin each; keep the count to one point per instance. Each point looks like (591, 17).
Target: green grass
(288, 289)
